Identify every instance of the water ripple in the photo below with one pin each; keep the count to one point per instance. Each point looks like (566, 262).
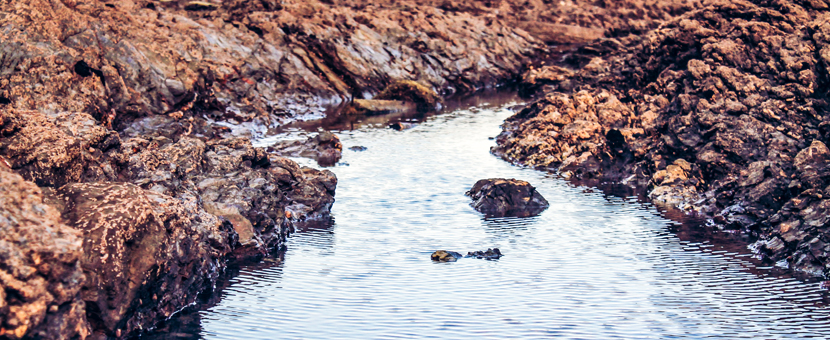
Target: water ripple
(593, 266)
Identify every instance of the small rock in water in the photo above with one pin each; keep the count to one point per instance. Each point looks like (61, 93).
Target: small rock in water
(499, 197)
(489, 254)
(445, 256)
(400, 126)
(358, 148)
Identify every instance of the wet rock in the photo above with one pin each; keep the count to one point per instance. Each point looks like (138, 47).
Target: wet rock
(146, 255)
(445, 256)
(400, 126)
(498, 197)
(41, 275)
(378, 107)
(813, 165)
(489, 254)
(358, 148)
(167, 182)
(325, 148)
(411, 92)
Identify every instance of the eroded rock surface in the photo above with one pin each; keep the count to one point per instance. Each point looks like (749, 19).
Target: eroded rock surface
(325, 148)
(146, 255)
(722, 110)
(40, 266)
(160, 214)
(499, 197)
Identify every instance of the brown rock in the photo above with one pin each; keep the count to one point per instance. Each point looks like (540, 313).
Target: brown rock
(378, 107)
(41, 277)
(145, 255)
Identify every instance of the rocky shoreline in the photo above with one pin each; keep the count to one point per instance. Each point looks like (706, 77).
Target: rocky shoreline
(128, 179)
(720, 111)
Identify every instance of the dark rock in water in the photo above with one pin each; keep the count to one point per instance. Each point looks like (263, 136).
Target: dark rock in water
(400, 126)
(499, 197)
(325, 148)
(489, 254)
(358, 148)
(445, 256)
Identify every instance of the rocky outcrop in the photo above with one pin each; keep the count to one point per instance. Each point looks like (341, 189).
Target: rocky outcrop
(146, 255)
(499, 197)
(721, 110)
(241, 60)
(40, 266)
(159, 214)
(111, 107)
(325, 148)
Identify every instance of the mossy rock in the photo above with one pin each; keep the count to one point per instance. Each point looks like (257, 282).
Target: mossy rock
(410, 91)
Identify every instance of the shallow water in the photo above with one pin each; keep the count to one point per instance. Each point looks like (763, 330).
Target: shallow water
(592, 266)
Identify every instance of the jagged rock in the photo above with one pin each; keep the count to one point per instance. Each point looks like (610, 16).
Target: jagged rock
(146, 255)
(40, 257)
(733, 88)
(498, 197)
(325, 148)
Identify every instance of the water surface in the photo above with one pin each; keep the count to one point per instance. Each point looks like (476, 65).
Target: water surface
(592, 266)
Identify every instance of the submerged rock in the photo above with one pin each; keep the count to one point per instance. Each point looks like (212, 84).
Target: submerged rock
(499, 197)
(400, 126)
(445, 256)
(489, 254)
(358, 148)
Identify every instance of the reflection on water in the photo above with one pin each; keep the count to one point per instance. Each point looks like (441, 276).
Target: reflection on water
(598, 264)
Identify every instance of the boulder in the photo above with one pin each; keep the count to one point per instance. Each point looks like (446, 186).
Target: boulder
(145, 255)
(499, 197)
(40, 266)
